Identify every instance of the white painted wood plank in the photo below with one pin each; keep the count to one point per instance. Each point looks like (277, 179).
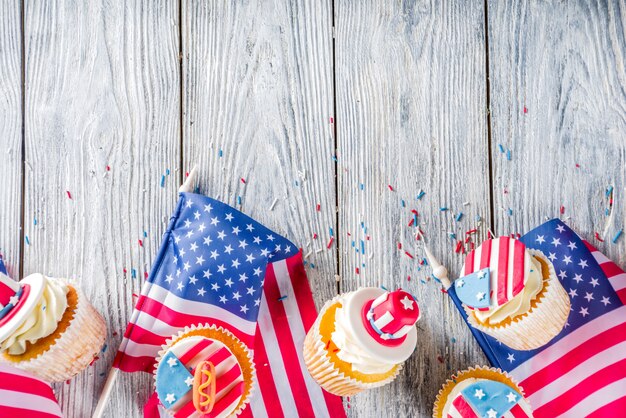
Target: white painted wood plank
(257, 103)
(11, 138)
(411, 114)
(102, 89)
(558, 102)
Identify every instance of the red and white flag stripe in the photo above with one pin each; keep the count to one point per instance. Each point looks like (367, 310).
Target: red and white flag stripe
(508, 256)
(25, 396)
(287, 388)
(589, 362)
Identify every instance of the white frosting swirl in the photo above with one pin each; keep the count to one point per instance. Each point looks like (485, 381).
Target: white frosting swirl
(350, 350)
(42, 321)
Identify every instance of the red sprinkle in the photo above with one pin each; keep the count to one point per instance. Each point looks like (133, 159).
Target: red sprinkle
(108, 168)
(140, 243)
(562, 209)
(314, 235)
(186, 173)
(335, 350)
(145, 274)
(440, 359)
(317, 208)
(411, 222)
(598, 237)
(399, 245)
(408, 254)
(415, 212)
(525, 110)
(243, 180)
(408, 278)
(577, 165)
(68, 194)
(332, 120)
(390, 188)
(330, 242)
(458, 246)
(356, 270)
(467, 239)
(125, 271)
(471, 231)
(327, 344)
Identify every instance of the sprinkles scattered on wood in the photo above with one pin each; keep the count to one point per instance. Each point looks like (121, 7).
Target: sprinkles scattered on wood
(69, 195)
(273, 204)
(617, 236)
(501, 148)
(317, 207)
(26, 239)
(330, 242)
(443, 209)
(409, 254)
(420, 195)
(140, 243)
(163, 180)
(562, 209)
(390, 188)
(459, 216)
(598, 237)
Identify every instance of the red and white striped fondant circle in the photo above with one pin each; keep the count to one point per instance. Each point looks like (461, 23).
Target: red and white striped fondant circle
(509, 266)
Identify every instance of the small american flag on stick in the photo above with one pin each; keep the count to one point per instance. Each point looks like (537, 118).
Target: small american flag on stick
(582, 371)
(219, 266)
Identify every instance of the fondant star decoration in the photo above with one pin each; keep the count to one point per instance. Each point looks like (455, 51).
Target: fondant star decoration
(492, 413)
(13, 300)
(479, 393)
(407, 303)
(473, 289)
(172, 361)
(511, 397)
(189, 381)
(170, 398)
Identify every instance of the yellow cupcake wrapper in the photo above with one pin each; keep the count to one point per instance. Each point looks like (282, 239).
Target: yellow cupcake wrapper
(75, 348)
(324, 371)
(241, 352)
(540, 324)
(476, 372)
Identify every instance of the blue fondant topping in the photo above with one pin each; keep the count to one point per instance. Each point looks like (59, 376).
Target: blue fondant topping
(172, 379)
(473, 289)
(491, 399)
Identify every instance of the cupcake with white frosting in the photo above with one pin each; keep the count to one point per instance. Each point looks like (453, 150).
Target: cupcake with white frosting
(481, 392)
(512, 293)
(47, 327)
(361, 339)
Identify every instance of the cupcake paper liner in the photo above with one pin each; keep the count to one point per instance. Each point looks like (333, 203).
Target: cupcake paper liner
(75, 348)
(477, 372)
(540, 324)
(206, 330)
(324, 371)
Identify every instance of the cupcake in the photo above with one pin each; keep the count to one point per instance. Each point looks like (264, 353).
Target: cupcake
(512, 293)
(481, 392)
(204, 371)
(47, 327)
(361, 339)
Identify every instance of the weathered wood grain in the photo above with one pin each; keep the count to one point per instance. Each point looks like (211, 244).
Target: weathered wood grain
(558, 102)
(11, 138)
(411, 114)
(102, 89)
(256, 105)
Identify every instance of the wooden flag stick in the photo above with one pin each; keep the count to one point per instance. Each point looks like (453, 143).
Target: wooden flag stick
(188, 186)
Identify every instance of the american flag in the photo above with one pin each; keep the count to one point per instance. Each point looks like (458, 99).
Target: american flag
(25, 396)
(582, 371)
(219, 266)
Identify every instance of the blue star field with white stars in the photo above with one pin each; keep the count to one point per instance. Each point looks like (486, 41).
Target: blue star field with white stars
(213, 253)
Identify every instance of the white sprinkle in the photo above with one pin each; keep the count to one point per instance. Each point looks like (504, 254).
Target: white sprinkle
(319, 250)
(337, 278)
(465, 203)
(308, 254)
(273, 204)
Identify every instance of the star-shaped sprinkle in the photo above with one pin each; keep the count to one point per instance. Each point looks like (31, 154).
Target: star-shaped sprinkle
(492, 413)
(407, 303)
(480, 295)
(459, 283)
(172, 361)
(13, 300)
(479, 394)
(511, 397)
(189, 381)
(170, 398)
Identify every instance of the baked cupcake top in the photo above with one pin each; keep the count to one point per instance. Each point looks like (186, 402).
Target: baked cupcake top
(375, 329)
(501, 278)
(201, 377)
(477, 397)
(29, 310)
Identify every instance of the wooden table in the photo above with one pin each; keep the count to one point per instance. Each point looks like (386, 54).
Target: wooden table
(352, 105)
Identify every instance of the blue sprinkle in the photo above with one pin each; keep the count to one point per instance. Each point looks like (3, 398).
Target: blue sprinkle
(510, 212)
(101, 374)
(167, 171)
(606, 212)
(27, 240)
(453, 339)
(296, 182)
(162, 181)
(425, 262)
(220, 153)
(443, 208)
(422, 280)
(35, 221)
(459, 216)
(508, 155)
(145, 234)
(501, 148)
(402, 203)
(43, 308)
(104, 348)
(478, 218)
(362, 247)
(330, 230)
(609, 191)
(312, 265)
(616, 237)
(452, 235)
(133, 273)
(334, 158)
(353, 243)
(420, 195)
(239, 200)
(362, 186)
(384, 288)
(415, 219)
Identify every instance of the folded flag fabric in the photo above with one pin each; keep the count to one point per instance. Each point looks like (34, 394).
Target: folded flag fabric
(25, 396)
(582, 371)
(219, 266)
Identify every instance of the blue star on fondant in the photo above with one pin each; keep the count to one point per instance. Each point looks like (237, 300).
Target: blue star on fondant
(473, 289)
(172, 379)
